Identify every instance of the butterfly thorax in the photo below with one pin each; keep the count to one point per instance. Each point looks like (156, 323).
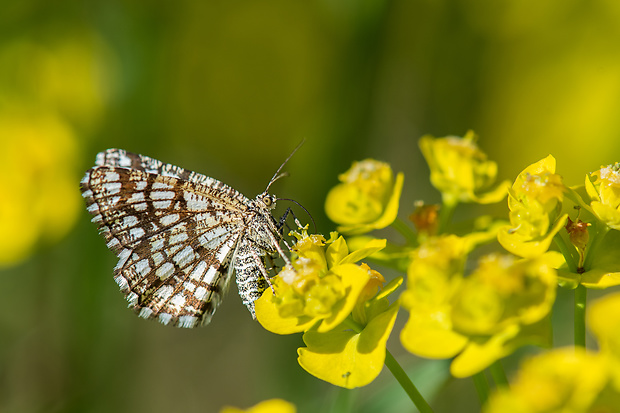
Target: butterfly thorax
(261, 228)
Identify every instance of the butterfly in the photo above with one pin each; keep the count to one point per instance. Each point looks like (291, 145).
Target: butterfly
(179, 236)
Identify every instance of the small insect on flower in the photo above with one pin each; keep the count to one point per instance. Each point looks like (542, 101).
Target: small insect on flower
(179, 235)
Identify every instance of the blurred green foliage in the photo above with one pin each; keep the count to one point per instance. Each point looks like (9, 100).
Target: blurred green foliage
(228, 88)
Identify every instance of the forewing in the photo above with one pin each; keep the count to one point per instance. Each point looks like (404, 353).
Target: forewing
(174, 239)
(120, 158)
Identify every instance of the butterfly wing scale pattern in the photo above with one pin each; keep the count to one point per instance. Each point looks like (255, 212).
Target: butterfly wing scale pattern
(178, 236)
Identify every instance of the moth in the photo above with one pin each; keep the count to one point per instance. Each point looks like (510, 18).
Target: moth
(180, 236)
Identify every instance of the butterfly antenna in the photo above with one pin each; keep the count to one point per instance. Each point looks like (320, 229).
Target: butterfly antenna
(279, 175)
(302, 207)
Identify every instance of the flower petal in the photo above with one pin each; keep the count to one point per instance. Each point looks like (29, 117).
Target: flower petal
(354, 279)
(269, 317)
(346, 358)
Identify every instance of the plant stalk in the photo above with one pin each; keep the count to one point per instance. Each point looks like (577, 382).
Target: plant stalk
(406, 383)
(580, 315)
(482, 387)
(498, 373)
(400, 226)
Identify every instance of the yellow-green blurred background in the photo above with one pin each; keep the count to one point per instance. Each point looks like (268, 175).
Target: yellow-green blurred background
(228, 88)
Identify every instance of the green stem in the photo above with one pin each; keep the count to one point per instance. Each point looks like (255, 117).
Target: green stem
(566, 251)
(353, 325)
(482, 387)
(398, 373)
(400, 226)
(406, 383)
(596, 242)
(580, 315)
(498, 373)
(445, 214)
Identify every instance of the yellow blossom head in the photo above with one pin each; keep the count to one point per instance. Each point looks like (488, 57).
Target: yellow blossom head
(603, 187)
(503, 291)
(267, 406)
(479, 318)
(40, 201)
(534, 202)
(604, 321)
(460, 170)
(321, 287)
(562, 380)
(366, 199)
(435, 272)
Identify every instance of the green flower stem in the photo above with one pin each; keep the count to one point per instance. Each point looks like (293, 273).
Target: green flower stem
(406, 383)
(445, 213)
(398, 373)
(498, 373)
(482, 387)
(400, 226)
(353, 325)
(594, 244)
(580, 315)
(566, 251)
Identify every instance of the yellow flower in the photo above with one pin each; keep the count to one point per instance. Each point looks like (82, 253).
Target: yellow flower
(348, 358)
(503, 291)
(49, 90)
(267, 406)
(503, 304)
(366, 199)
(342, 307)
(460, 170)
(534, 201)
(372, 287)
(604, 321)
(40, 201)
(603, 187)
(322, 286)
(565, 380)
(433, 276)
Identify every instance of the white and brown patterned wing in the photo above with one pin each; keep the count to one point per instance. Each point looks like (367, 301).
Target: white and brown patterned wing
(123, 159)
(174, 238)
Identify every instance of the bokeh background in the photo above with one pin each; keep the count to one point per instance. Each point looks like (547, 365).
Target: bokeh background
(229, 88)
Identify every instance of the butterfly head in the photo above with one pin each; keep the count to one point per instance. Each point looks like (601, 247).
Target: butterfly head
(266, 200)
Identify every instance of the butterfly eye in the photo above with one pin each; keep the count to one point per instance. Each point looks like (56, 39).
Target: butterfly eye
(267, 200)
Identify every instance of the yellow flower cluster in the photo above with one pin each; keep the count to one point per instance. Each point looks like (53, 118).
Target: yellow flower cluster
(568, 379)
(267, 406)
(49, 92)
(603, 187)
(341, 307)
(460, 170)
(366, 199)
(535, 202)
(479, 318)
